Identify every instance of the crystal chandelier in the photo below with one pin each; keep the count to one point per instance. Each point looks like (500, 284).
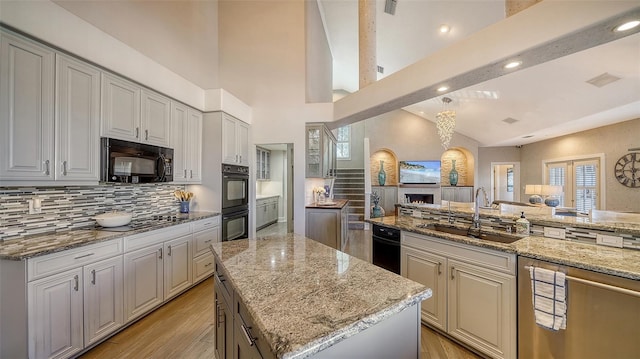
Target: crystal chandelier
(446, 123)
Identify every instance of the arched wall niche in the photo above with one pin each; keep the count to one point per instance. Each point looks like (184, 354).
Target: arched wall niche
(390, 164)
(465, 163)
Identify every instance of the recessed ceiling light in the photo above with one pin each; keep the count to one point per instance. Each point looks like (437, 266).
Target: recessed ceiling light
(444, 28)
(513, 64)
(628, 25)
(442, 88)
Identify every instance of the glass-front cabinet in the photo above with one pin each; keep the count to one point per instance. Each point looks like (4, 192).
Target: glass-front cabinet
(263, 163)
(320, 150)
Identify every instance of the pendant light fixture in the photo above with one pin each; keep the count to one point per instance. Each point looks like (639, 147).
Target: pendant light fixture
(446, 123)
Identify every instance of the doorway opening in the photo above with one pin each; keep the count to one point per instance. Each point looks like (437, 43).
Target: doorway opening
(505, 181)
(274, 189)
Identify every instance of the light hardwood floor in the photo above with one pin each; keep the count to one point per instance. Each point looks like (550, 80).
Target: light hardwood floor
(183, 328)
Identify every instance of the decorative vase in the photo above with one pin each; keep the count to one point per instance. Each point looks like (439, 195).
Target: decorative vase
(184, 206)
(453, 174)
(382, 175)
(377, 211)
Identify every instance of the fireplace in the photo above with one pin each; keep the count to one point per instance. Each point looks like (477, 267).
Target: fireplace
(419, 198)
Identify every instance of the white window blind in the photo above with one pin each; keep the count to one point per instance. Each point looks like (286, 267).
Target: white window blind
(580, 179)
(557, 177)
(343, 145)
(586, 185)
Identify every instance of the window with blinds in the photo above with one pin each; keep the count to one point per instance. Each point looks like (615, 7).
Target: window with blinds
(343, 145)
(580, 179)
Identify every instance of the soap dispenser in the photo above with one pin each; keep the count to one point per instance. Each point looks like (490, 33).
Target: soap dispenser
(522, 225)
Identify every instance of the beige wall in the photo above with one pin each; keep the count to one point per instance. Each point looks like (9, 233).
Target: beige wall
(613, 141)
(319, 67)
(263, 62)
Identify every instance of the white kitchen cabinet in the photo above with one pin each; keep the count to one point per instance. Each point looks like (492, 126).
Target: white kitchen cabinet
(457, 194)
(328, 225)
(143, 283)
(187, 144)
(134, 114)
(205, 232)
(235, 141)
(103, 299)
(120, 108)
(77, 121)
(177, 266)
(263, 164)
(482, 308)
(55, 315)
(26, 109)
(474, 291)
(266, 211)
(428, 269)
(320, 147)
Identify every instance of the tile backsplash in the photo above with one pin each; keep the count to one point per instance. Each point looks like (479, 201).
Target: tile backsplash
(74, 206)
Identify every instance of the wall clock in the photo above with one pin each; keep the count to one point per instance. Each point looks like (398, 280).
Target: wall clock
(627, 170)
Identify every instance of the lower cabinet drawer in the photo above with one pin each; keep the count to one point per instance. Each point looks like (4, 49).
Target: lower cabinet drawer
(53, 263)
(202, 266)
(202, 240)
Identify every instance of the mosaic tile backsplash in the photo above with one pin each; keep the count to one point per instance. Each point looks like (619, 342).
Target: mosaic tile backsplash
(71, 207)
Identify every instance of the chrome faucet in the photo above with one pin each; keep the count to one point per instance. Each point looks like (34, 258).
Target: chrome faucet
(476, 212)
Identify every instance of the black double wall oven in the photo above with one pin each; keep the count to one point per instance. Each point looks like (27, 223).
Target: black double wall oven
(235, 202)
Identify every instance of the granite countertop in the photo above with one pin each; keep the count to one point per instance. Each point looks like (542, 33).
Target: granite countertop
(263, 196)
(335, 204)
(621, 262)
(305, 296)
(41, 244)
(555, 220)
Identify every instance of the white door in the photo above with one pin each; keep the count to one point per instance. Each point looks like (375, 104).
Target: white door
(120, 109)
(155, 120)
(26, 110)
(482, 309)
(77, 120)
(194, 146)
(177, 266)
(243, 143)
(103, 299)
(178, 142)
(430, 270)
(55, 315)
(229, 138)
(143, 284)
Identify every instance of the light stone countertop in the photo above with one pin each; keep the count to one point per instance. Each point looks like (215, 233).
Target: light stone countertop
(42, 244)
(264, 196)
(335, 204)
(305, 296)
(621, 262)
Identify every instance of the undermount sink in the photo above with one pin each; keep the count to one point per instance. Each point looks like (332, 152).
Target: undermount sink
(473, 233)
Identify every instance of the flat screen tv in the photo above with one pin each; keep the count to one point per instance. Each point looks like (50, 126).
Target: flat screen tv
(420, 172)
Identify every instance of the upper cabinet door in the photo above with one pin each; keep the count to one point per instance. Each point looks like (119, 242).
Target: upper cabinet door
(243, 143)
(120, 109)
(178, 141)
(155, 119)
(77, 120)
(229, 134)
(194, 145)
(26, 110)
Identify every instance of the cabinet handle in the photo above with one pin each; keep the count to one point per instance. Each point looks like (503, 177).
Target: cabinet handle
(191, 173)
(83, 256)
(207, 241)
(93, 277)
(208, 264)
(247, 334)
(220, 315)
(240, 158)
(220, 278)
(46, 167)
(76, 284)
(64, 168)
(185, 173)
(169, 252)
(453, 271)
(146, 134)
(439, 268)
(160, 250)
(137, 132)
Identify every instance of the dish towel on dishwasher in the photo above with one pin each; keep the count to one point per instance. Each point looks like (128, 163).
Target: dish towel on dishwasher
(549, 298)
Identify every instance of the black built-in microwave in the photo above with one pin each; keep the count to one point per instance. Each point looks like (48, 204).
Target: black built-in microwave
(131, 162)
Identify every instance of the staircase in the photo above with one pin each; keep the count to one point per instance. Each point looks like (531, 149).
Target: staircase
(349, 185)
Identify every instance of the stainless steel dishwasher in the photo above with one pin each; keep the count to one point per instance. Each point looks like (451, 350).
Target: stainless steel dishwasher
(603, 316)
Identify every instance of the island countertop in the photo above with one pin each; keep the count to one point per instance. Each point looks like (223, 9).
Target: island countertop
(334, 204)
(306, 297)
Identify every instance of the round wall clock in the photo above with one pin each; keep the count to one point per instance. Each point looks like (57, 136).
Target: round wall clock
(627, 170)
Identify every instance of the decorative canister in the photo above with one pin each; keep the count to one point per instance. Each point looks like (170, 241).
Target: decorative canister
(184, 206)
(453, 174)
(522, 225)
(382, 175)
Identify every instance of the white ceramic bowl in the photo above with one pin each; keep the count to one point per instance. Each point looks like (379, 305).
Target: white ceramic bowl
(113, 219)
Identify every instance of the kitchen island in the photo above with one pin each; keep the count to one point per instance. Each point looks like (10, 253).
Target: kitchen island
(310, 300)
